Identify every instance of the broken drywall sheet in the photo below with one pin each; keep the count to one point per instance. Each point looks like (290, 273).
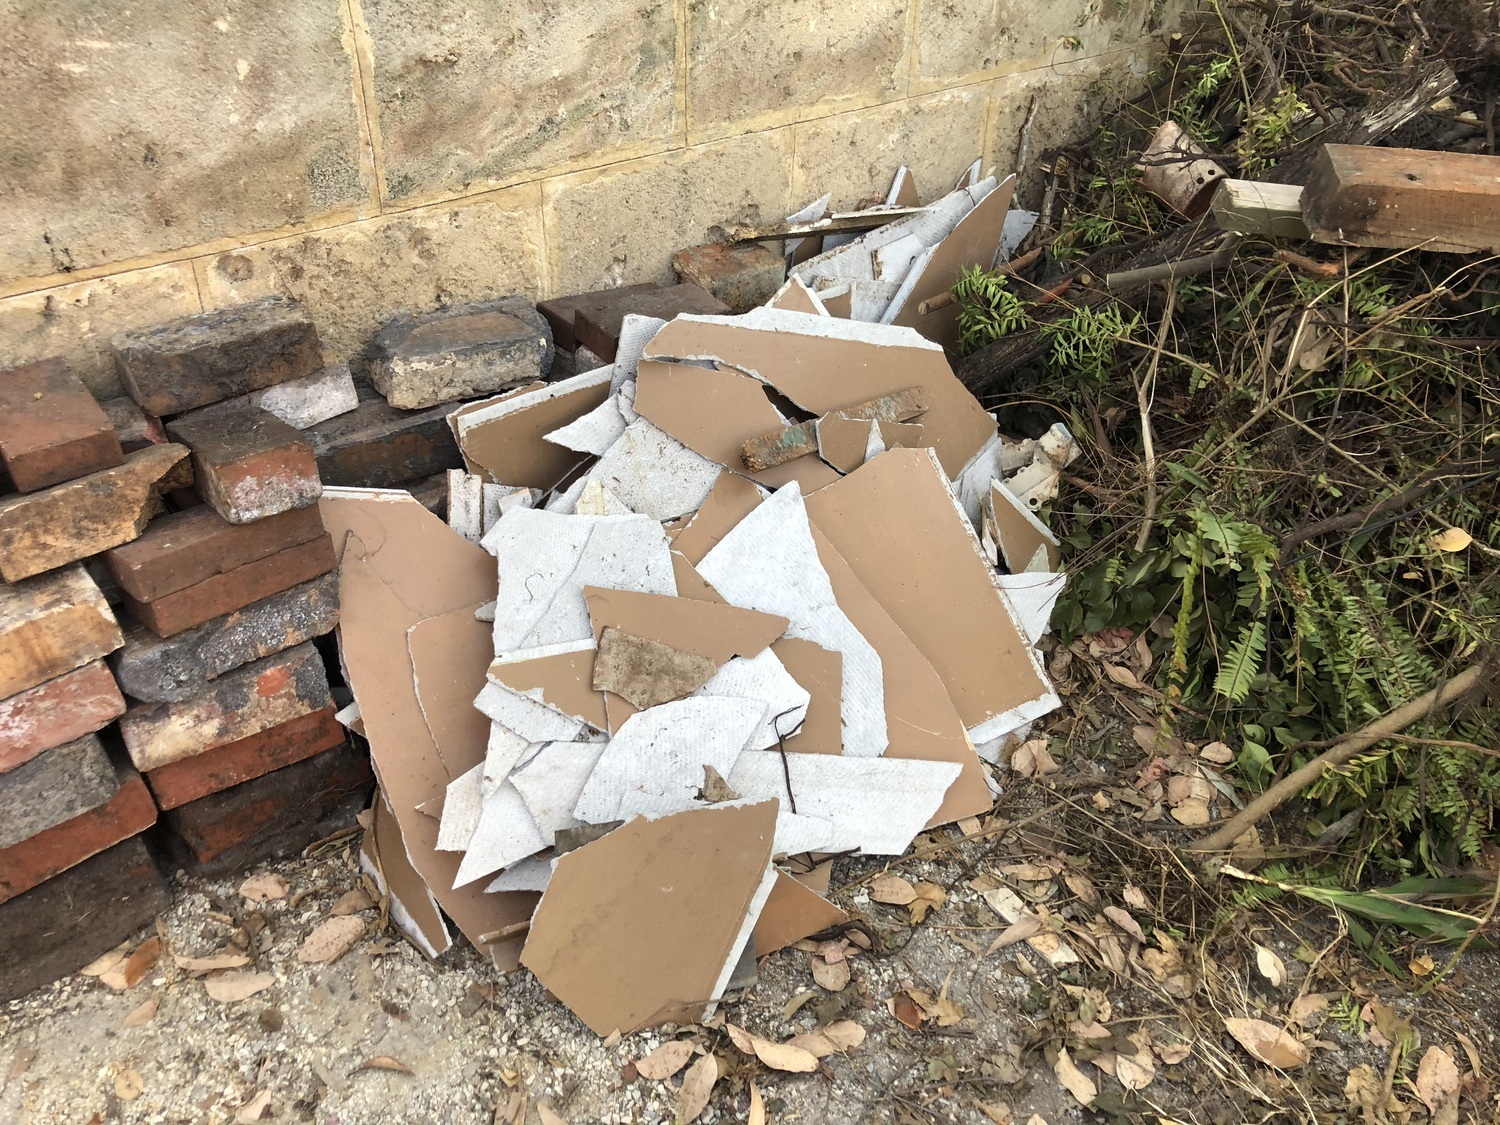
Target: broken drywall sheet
(791, 913)
(894, 518)
(506, 834)
(732, 498)
(676, 892)
(596, 500)
(448, 654)
(795, 296)
(506, 436)
(654, 763)
(876, 805)
(820, 672)
(708, 629)
(462, 804)
(1018, 224)
(531, 874)
(466, 504)
(1025, 544)
(653, 473)
(1031, 598)
(999, 458)
(504, 750)
(595, 432)
(552, 781)
(763, 679)
(545, 561)
(644, 672)
(636, 332)
(855, 260)
(769, 562)
(742, 940)
(383, 858)
(711, 412)
(559, 676)
(524, 714)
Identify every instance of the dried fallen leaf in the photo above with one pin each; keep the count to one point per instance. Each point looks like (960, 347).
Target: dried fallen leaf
(129, 1085)
(383, 1062)
(1033, 759)
(1363, 1087)
(665, 1061)
(1422, 966)
(1454, 539)
(1438, 1080)
(892, 889)
(1134, 897)
(253, 1110)
(1021, 929)
(1132, 1073)
(231, 987)
(930, 896)
(134, 968)
(1123, 919)
(1192, 812)
(1172, 1053)
(1268, 1043)
(1218, 753)
(1272, 967)
(1082, 886)
(265, 887)
(548, 1115)
(1077, 1083)
(757, 1107)
(351, 902)
(905, 1009)
(331, 940)
(107, 961)
(777, 1056)
(141, 1015)
(208, 964)
(1305, 1009)
(697, 1085)
(832, 976)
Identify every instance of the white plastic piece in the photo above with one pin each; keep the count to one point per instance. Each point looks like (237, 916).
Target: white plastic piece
(1035, 484)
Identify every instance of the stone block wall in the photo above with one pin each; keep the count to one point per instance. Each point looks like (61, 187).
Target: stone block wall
(375, 156)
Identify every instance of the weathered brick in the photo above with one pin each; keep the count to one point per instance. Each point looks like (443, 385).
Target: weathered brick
(216, 355)
(185, 548)
(54, 786)
(176, 668)
(598, 327)
(272, 816)
(133, 426)
(378, 446)
(224, 593)
(247, 463)
(246, 759)
(238, 704)
(51, 625)
(58, 927)
(743, 275)
(58, 711)
(562, 311)
(67, 522)
(459, 353)
(49, 853)
(51, 428)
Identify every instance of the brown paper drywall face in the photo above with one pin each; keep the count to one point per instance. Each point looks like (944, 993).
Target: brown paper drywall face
(635, 928)
(449, 654)
(810, 474)
(820, 673)
(792, 913)
(732, 498)
(413, 908)
(480, 404)
(824, 364)
(710, 412)
(1022, 536)
(691, 584)
(902, 534)
(509, 448)
(565, 680)
(795, 296)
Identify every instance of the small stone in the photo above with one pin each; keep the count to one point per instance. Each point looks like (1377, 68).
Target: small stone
(51, 625)
(378, 446)
(247, 463)
(176, 668)
(742, 275)
(133, 426)
(561, 312)
(216, 355)
(51, 428)
(598, 327)
(478, 349)
(67, 522)
(312, 399)
(246, 701)
(55, 786)
(57, 711)
(224, 593)
(61, 925)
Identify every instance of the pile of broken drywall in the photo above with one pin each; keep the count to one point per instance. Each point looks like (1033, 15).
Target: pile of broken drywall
(705, 617)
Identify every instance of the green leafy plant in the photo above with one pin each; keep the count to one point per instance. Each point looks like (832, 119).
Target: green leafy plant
(987, 308)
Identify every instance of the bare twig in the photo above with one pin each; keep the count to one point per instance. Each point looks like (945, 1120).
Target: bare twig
(1145, 393)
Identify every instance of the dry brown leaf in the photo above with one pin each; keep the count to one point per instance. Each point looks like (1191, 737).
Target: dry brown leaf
(1472, 1051)
(1268, 1043)
(1422, 966)
(141, 1015)
(1272, 967)
(1305, 1009)
(253, 1110)
(1135, 1072)
(892, 889)
(107, 961)
(1438, 1080)
(1033, 759)
(1454, 539)
(1074, 1080)
(208, 964)
(1363, 1087)
(930, 896)
(1025, 927)
(1028, 872)
(777, 1056)
(905, 1010)
(740, 1038)
(351, 902)
(1083, 887)
(1122, 918)
(230, 987)
(265, 887)
(757, 1107)
(1192, 812)
(133, 969)
(548, 1115)
(1172, 1053)
(833, 976)
(1218, 753)
(697, 1085)
(383, 1062)
(665, 1061)
(1124, 677)
(1134, 897)
(331, 940)
(129, 1084)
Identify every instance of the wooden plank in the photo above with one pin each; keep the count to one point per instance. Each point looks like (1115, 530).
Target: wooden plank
(1252, 207)
(853, 222)
(1404, 198)
(798, 440)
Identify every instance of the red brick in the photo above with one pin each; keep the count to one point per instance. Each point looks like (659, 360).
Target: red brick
(247, 463)
(561, 312)
(598, 328)
(57, 711)
(742, 275)
(49, 853)
(51, 428)
(235, 589)
(273, 816)
(249, 758)
(185, 548)
(133, 426)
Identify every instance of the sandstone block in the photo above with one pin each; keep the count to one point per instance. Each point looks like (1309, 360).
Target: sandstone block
(67, 522)
(176, 668)
(54, 786)
(185, 548)
(237, 762)
(247, 463)
(61, 925)
(598, 326)
(246, 701)
(51, 428)
(272, 816)
(58, 711)
(224, 593)
(562, 311)
(206, 358)
(377, 446)
(49, 853)
(51, 625)
(133, 426)
(477, 349)
(742, 275)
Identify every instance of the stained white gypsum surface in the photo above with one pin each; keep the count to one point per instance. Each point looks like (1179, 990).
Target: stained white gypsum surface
(596, 500)
(762, 679)
(546, 559)
(766, 319)
(1031, 597)
(595, 432)
(530, 874)
(930, 225)
(502, 753)
(526, 715)
(654, 763)
(635, 333)
(506, 834)
(551, 782)
(462, 802)
(876, 805)
(562, 502)
(466, 504)
(401, 914)
(653, 473)
(769, 562)
(1018, 224)
(897, 303)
